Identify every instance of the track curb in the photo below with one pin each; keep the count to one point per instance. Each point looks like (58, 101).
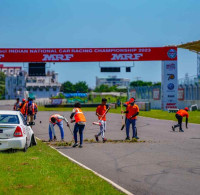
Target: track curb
(99, 175)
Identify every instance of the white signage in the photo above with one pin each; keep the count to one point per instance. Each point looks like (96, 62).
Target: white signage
(169, 84)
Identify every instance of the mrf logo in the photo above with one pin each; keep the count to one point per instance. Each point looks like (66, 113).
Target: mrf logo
(1, 56)
(57, 57)
(172, 53)
(126, 56)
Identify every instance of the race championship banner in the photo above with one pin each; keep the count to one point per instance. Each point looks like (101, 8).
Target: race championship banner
(87, 54)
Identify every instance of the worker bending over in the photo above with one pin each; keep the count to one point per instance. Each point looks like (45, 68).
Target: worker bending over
(56, 119)
(179, 115)
(132, 110)
(31, 110)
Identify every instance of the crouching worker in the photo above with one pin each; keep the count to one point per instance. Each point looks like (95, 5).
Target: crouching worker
(56, 119)
(179, 115)
(80, 122)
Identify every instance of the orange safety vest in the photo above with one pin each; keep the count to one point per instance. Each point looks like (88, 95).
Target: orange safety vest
(23, 108)
(32, 108)
(183, 113)
(56, 117)
(79, 116)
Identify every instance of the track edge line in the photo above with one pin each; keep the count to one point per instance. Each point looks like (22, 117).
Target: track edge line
(99, 175)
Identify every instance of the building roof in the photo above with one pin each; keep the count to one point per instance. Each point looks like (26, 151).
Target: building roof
(192, 46)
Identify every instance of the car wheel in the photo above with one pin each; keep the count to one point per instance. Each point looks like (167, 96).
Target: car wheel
(33, 141)
(25, 147)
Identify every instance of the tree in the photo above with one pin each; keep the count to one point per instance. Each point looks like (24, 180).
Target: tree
(67, 87)
(140, 83)
(106, 88)
(157, 84)
(81, 87)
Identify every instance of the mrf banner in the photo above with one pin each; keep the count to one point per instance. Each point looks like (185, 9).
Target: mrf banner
(87, 54)
(169, 86)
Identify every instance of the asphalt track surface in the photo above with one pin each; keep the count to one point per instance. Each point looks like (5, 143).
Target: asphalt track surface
(167, 163)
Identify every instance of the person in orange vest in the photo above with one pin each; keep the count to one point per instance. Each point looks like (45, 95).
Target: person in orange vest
(132, 110)
(17, 105)
(36, 110)
(23, 107)
(31, 110)
(80, 122)
(179, 115)
(56, 119)
(101, 111)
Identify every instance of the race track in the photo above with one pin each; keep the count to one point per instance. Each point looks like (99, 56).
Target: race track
(167, 163)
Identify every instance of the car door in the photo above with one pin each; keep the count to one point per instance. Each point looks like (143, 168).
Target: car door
(27, 129)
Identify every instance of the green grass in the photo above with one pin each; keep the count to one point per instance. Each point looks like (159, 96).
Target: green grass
(43, 170)
(194, 117)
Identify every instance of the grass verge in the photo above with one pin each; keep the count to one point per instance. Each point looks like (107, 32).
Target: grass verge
(42, 170)
(194, 117)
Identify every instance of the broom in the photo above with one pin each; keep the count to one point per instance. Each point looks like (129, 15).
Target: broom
(123, 124)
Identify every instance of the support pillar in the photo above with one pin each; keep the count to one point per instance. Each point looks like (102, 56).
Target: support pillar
(169, 85)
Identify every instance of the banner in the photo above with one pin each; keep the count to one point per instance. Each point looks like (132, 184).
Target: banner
(169, 86)
(180, 94)
(69, 95)
(156, 94)
(133, 93)
(56, 101)
(87, 54)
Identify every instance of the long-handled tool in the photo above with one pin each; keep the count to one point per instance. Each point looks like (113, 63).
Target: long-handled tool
(71, 132)
(123, 122)
(70, 129)
(99, 123)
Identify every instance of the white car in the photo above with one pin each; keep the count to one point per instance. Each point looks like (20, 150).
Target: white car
(14, 131)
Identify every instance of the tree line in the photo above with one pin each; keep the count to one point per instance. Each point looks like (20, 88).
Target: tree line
(82, 87)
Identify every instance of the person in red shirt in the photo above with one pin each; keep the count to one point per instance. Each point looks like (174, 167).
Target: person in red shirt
(132, 110)
(101, 111)
(125, 105)
(179, 115)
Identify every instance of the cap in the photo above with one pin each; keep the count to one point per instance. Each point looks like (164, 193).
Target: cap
(23, 100)
(131, 100)
(104, 100)
(186, 108)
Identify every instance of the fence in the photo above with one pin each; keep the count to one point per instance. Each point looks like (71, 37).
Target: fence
(188, 94)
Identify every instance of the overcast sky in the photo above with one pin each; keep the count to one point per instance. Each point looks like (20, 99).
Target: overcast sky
(102, 23)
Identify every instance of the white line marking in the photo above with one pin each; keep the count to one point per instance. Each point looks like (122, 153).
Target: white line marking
(85, 167)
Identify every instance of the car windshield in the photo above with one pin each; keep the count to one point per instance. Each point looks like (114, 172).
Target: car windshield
(9, 119)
